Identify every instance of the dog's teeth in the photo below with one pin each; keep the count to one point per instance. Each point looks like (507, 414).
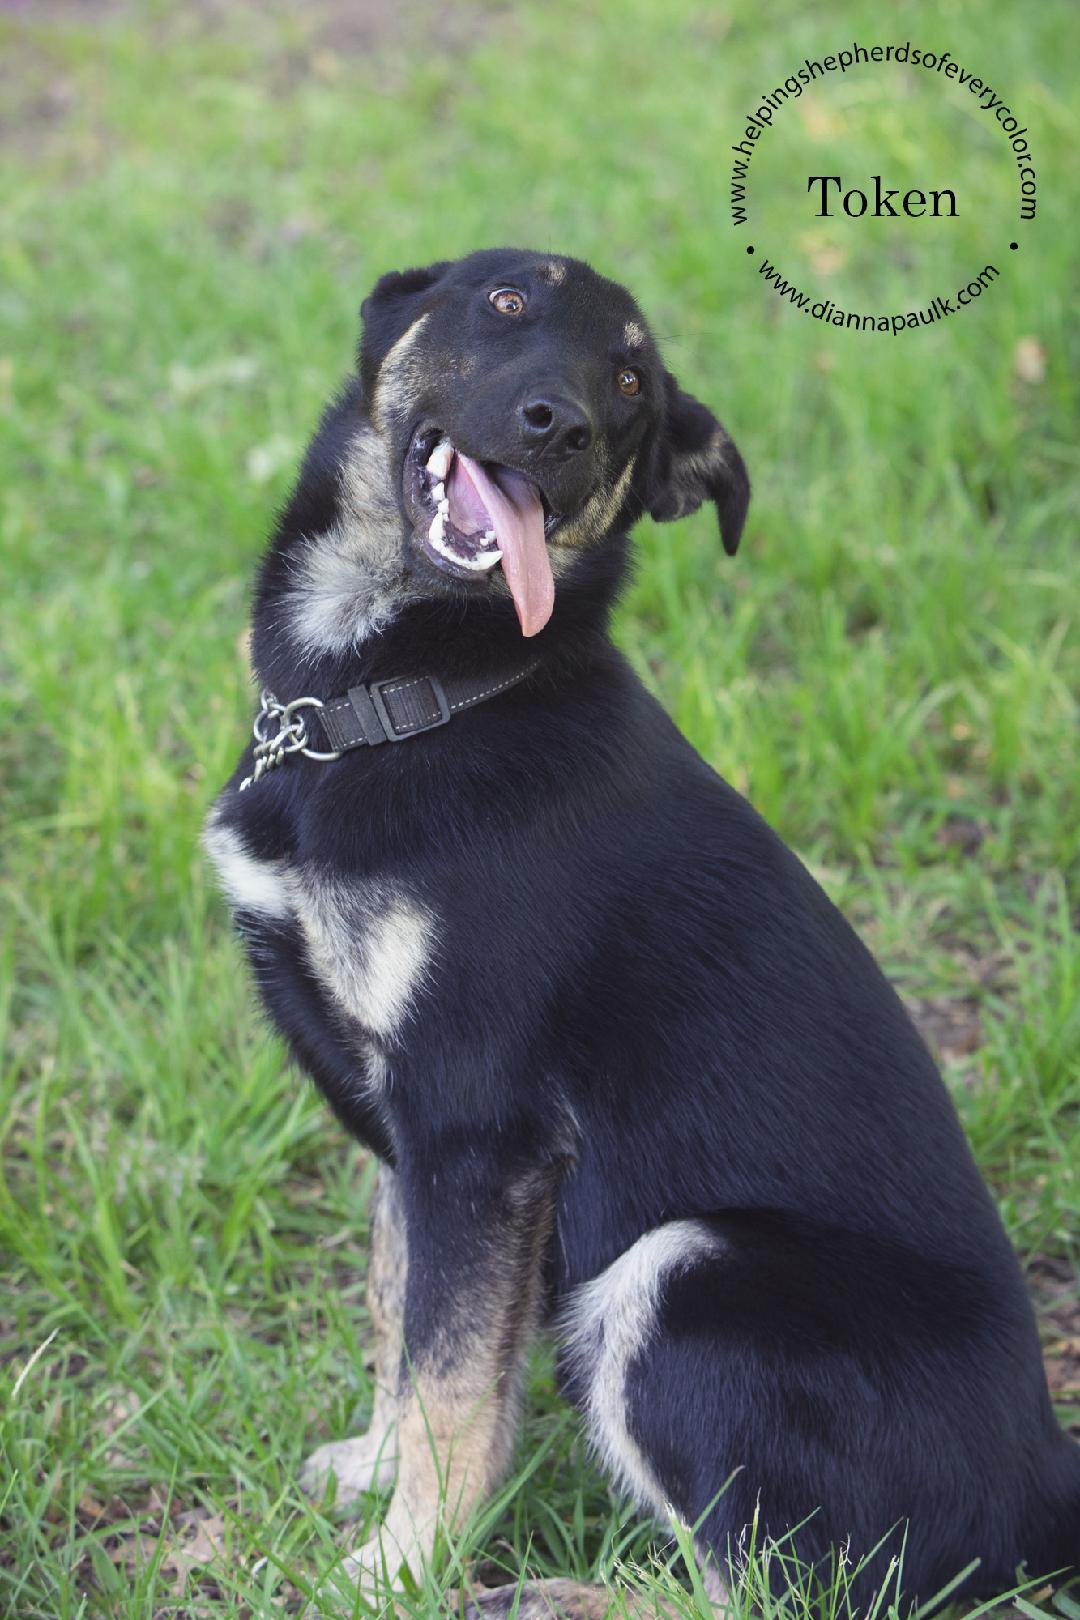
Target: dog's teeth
(490, 536)
(438, 494)
(444, 548)
(444, 505)
(438, 463)
(481, 562)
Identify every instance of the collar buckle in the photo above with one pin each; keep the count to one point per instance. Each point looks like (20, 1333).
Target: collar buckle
(417, 711)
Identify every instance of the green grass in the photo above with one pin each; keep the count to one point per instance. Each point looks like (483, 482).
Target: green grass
(196, 198)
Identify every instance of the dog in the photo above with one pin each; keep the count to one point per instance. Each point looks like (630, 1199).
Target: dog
(632, 1079)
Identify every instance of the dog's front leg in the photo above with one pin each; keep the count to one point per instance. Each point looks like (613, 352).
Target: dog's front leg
(476, 1230)
(368, 1462)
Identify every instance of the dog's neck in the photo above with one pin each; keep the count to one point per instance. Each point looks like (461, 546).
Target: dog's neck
(335, 604)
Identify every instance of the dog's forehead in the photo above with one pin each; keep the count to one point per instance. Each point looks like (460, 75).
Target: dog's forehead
(585, 300)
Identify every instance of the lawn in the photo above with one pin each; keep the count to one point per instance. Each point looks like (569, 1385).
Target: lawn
(196, 196)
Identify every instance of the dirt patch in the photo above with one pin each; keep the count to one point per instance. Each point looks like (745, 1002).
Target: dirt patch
(348, 28)
(1055, 1287)
(950, 1025)
(353, 29)
(51, 111)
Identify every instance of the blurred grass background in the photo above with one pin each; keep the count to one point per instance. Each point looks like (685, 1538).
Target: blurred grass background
(195, 198)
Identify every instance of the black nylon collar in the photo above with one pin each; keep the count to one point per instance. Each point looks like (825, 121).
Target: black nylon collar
(391, 710)
(382, 711)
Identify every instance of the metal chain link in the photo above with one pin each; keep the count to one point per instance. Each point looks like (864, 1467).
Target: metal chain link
(290, 735)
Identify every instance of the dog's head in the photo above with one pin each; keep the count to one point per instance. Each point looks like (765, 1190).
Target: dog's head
(523, 402)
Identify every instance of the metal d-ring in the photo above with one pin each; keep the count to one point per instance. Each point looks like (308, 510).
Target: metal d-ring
(290, 737)
(302, 748)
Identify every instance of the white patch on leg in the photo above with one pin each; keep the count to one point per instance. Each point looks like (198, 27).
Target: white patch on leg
(716, 1587)
(370, 944)
(249, 884)
(608, 1323)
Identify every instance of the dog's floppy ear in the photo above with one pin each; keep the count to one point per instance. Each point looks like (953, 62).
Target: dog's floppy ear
(390, 308)
(694, 460)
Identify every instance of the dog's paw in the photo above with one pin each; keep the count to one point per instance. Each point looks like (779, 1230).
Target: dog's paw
(367, 1462)
(387, 1562)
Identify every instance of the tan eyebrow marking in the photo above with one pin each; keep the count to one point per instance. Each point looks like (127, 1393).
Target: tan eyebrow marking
(633, 336)
(553, 272)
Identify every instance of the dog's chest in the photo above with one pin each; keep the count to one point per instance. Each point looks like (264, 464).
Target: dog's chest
(368, 940)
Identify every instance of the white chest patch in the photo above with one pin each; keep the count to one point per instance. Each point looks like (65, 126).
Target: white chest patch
(370, 944)
(249, 884)
(347, 583)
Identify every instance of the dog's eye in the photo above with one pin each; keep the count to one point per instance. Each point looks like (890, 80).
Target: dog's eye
(629, 381)
(507, 300)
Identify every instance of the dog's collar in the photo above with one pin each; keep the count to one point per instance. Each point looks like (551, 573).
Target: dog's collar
(382, 711)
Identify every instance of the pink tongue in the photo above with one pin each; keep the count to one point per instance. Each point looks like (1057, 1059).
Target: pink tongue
(513, 509)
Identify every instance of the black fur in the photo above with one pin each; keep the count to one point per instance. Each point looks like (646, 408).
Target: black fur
(639, 991)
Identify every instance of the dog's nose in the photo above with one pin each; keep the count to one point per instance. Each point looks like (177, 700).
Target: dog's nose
(551, 422)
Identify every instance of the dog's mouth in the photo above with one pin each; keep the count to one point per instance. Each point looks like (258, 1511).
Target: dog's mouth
(470, 517)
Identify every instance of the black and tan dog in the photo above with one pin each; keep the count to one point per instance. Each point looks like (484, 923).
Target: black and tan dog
(631, 1077)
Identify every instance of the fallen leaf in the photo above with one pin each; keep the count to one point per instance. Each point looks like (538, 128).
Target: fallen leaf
(819, 121)
(201, 1542)
(90, 1505)
(1029, 360)
(132, 1552)
(962, 832)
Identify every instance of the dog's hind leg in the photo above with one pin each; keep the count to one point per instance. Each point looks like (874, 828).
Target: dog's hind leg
(610, 1323)
(368, 1462)
(861, 1414)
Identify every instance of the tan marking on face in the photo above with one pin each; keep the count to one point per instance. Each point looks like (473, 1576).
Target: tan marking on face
(554, 273)
(401, 376)
(599, 512)
(633, 335)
